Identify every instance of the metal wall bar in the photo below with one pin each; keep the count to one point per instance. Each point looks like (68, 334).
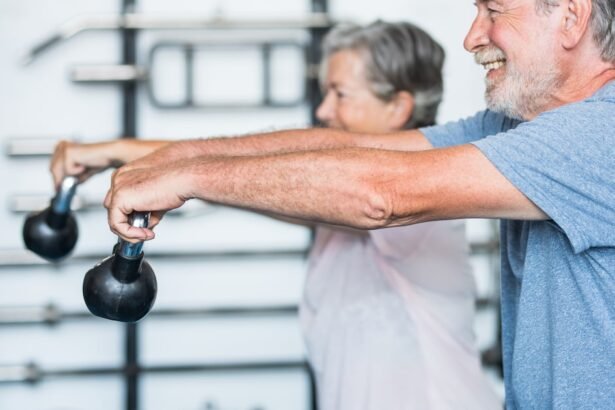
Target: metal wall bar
(129, 89)
(138, 21)
(313, 60)
(33, 373)
(190, 52)
(26, 259)
(53, 315)
(129, 130)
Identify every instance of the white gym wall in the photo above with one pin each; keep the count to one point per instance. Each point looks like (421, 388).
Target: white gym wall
(41, 105)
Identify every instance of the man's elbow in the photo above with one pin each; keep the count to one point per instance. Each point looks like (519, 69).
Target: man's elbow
(377, 211)
(384, 208)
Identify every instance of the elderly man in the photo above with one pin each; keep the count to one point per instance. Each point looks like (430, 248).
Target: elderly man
(540, 158)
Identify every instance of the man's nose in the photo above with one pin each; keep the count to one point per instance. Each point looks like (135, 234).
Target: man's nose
(478, 36)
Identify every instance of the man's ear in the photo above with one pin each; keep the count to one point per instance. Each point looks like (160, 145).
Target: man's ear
(575, 24)
(401, 108)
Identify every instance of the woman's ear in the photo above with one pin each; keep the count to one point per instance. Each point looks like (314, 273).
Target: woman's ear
(401, 108)
(577, 14)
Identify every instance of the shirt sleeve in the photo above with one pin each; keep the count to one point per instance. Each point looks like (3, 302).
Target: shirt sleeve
(469, 129)
(563, 162)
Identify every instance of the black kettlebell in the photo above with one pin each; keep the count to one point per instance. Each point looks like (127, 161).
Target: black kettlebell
(123, 286)
(52, 233)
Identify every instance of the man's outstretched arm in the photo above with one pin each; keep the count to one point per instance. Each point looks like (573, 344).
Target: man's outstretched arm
(357, 187)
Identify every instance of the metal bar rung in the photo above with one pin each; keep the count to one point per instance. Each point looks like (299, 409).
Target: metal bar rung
(30, 146)
(107, 73)
(140, 21)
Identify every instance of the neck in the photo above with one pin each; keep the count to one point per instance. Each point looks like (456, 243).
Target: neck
(582, 87)
(579, 85)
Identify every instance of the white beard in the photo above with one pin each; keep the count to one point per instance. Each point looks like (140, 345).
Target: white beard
(521, 95)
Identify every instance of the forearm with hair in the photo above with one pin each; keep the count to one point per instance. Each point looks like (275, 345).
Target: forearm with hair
(287, 141)
(328, 186)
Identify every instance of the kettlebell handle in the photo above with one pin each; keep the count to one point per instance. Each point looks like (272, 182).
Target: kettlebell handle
(133, 250)
(60, 204)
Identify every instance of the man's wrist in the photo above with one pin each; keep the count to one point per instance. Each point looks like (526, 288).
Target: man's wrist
(194, 169)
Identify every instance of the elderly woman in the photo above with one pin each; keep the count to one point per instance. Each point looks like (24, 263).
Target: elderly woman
(387, 314)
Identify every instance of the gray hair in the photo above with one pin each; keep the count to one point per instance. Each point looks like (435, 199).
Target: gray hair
(397, 57)
(602, 24)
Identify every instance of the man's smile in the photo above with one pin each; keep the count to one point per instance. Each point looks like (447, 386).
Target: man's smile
(493, 65)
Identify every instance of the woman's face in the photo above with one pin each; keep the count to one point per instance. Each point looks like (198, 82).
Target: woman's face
(348, 101)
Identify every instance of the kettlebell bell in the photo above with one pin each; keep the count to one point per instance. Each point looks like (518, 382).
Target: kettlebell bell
(123, 286)
(52, 233)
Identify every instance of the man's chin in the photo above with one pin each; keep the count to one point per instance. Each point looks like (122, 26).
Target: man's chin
(503, 106)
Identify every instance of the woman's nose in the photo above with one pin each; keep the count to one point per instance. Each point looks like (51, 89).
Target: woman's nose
(325, 111)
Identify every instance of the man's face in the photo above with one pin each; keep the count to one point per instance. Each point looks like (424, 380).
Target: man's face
(349, 103)
(516, 44)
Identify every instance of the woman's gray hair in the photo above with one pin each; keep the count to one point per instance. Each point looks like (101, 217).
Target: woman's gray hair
(397, 57)
(602, 24)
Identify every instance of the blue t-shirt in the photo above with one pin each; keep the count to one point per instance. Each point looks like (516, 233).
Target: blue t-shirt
(558, 275)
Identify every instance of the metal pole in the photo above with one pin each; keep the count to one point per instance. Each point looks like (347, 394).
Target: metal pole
(313, 59)
(129, 89)
(129, 130)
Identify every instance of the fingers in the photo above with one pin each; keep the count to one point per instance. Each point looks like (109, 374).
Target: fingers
(107, 201)
(155, 218)
(134, 234)
(56, 166)
(118, 215)
(119, 224)
(87, 173)
(118, 221)
(155, 189)
(81, 160)
(66, 162)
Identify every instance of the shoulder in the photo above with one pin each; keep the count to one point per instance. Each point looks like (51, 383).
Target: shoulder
(586, 124)
(597, 110)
